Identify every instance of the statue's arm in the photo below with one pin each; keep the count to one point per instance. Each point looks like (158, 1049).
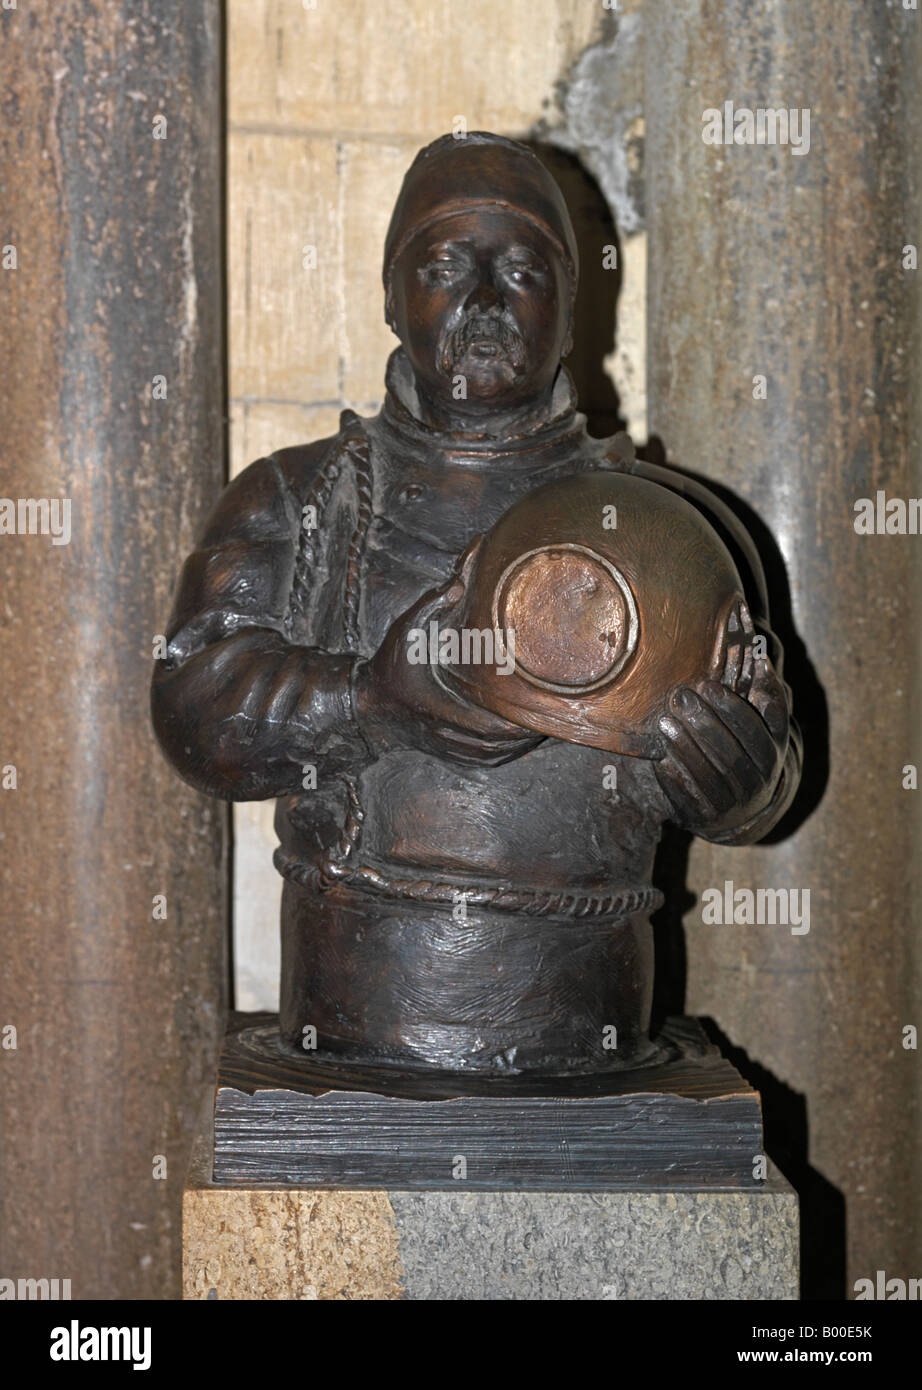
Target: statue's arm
(239, 709)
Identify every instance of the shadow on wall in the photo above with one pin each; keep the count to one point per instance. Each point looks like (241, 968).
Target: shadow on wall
(597, 296)
(822, 1206)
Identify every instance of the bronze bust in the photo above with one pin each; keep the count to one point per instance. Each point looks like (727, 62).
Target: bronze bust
(467, 843)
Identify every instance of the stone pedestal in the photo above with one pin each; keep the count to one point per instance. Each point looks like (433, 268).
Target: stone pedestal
(702, 1239)
(305, 1243)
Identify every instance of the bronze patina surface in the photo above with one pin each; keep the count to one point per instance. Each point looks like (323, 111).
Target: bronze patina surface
(613, 591)
(468, 883)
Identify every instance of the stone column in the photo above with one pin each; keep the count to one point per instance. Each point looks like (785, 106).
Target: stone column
(114, 875)
(766, 261)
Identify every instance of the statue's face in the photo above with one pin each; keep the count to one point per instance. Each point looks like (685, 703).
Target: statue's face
(483, 296)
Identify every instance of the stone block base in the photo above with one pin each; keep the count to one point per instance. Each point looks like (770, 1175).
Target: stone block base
(270, 1242)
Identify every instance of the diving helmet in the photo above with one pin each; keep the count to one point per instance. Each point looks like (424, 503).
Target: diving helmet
(603, 591)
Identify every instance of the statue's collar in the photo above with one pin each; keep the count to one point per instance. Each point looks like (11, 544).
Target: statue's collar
(401, 414)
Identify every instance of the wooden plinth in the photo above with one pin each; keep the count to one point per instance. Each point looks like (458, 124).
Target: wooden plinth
(690, 1121)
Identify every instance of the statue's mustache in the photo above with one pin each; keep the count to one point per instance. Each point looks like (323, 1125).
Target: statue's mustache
(494, 327)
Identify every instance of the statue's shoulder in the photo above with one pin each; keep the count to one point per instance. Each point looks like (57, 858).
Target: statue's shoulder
(299, 467)
(269, 493)
(311, 472)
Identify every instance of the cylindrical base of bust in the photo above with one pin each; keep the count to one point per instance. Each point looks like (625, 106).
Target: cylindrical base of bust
(403, 983)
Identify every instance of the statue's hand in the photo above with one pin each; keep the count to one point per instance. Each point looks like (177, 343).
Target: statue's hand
(725, 740)
(401, 704)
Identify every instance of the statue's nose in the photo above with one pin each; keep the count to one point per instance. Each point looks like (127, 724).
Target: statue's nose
(484, 296)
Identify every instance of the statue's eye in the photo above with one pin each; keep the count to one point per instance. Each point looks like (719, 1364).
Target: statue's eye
(440, 272)
(523, 272)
